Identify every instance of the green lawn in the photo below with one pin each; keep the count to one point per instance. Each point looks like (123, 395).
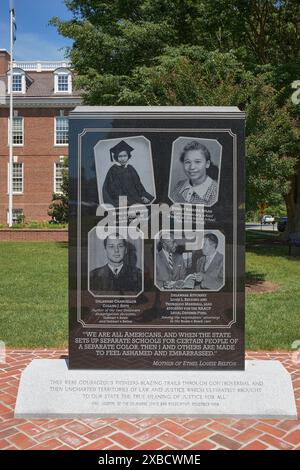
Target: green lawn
(273, 319)
(33, 296)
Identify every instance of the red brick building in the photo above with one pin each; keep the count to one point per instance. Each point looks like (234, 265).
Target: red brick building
(43, 98)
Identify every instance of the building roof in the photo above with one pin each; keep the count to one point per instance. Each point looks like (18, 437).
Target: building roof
(40, 86)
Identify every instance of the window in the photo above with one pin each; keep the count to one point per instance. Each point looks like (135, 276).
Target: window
(17, 178)
(18, 81)
(17, 84)
(18, 131)
(61, 131)
(17, 216)
(62, 81)
(58, 167)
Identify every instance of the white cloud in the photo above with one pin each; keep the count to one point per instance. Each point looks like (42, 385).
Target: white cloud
(31, 46)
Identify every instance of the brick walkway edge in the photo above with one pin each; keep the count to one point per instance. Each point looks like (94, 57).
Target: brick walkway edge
(155, 433)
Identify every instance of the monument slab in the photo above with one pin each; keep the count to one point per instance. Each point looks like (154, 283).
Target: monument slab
(156, 238)
(48, 388)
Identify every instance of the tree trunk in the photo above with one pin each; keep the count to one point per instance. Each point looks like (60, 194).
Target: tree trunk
(292, 200)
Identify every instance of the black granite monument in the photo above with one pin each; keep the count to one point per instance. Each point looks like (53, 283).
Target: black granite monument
(156, 253)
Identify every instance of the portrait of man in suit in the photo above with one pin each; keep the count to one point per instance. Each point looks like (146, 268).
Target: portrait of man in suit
(170, 266)
(120, 275)
(208, 269)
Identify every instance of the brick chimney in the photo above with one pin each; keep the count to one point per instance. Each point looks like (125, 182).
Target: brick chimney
(4, 61)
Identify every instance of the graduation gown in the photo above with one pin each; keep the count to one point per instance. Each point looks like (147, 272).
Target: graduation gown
(123, 181)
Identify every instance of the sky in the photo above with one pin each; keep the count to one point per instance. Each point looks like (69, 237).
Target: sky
(35, 39)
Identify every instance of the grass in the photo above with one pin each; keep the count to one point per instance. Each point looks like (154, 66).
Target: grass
(273, 319)
(33, 295)
(35, 225)
(259, 236)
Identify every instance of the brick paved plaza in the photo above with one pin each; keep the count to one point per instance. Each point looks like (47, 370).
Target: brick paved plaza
(140, 433)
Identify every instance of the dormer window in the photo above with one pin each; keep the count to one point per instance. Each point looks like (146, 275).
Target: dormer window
(62, 81)
(18, 82)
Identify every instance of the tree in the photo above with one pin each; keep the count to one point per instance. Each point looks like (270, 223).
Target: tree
(265, 34)
(201, 52)
(59, 208)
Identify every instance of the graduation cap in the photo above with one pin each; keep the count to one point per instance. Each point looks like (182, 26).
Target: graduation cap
(120, 147)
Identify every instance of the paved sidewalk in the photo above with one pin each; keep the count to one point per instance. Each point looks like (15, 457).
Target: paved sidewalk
(140, 433)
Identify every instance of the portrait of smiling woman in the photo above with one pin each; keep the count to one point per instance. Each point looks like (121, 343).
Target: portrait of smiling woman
(200, 185)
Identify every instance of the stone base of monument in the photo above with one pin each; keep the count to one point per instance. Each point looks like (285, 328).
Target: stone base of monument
(49, 389)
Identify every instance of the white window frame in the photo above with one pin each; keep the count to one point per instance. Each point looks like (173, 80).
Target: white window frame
(23, 78)
(55, 190)
(55, 130)
(16, 192)
(23, 135)
(56, 75)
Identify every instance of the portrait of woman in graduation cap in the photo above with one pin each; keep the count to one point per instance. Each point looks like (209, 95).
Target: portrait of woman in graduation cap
(122, 179)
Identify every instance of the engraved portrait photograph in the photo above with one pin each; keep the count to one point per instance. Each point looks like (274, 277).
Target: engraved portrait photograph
(195, 171)
(195, 262)
(124, 170)
(115, 266)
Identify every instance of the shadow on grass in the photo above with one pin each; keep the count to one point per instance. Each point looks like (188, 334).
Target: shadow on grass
(256, 283)
(62, 244)
(252, 277)
(265, 242)
(264, 237)
(274, 251)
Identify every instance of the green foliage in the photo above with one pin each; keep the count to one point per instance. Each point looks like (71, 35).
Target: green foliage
(272, 150)
(199, 52)
(59, 208)
(277, 210)
(33, 224)
(189, 75)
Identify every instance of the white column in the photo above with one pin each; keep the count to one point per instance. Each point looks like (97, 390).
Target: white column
(10, 164)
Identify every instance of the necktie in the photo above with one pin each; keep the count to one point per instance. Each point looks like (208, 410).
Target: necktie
(207, 263)
(116, 271)
(171, 261)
